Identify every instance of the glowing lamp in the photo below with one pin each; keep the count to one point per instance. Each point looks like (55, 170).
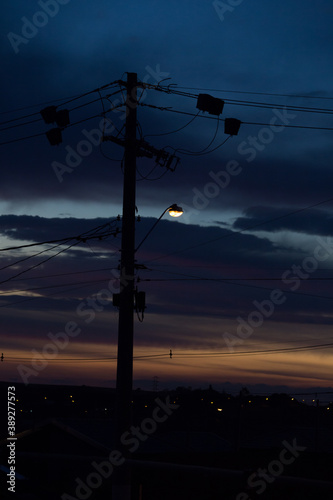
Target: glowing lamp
(175, 210)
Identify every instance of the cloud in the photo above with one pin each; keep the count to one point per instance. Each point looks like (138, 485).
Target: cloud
(311, 221)
(84, 47)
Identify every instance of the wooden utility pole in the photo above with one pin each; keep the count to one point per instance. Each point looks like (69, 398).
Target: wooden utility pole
(122, 477)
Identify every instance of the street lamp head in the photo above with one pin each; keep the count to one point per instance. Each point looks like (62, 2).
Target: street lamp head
(175, 210)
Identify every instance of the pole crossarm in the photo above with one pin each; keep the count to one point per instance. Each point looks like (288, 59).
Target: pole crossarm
(144, 149)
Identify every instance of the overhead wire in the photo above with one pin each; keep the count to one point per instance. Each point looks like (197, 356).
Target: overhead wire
(209, 117)
(237, 282)
(42, 262)
(173, 131)
(93, 233)
(176, 91)
(257, 93)
(27, 258)
(204, 150)
(257, 352)
(58, 275)
(11, 141)
(237, 232)
(173, 91)
(299, 109)
(19, 139)
(40, 119)
(181, 354)
(268, 105)
(59, 285)
(101, 142)
(90, 234)
(69, 100)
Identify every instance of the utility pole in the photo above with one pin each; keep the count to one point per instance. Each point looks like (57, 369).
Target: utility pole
(122, 476)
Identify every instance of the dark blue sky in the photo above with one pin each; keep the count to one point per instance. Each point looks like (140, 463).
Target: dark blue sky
(257, 210)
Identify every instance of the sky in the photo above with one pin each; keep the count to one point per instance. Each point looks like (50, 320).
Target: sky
(240, 286)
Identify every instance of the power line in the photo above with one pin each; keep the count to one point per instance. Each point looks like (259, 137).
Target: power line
(66, 99)
(235, 102)
(257, 352)
(93, 360)
(206, 149)
(40, 263)
(243, 122)
(228, 281)
(46, 287)
(37, 119)
(97, 232)
(11, 141)
(90, 234)
(237, 232)
(191, 354)
(257, 93)
(175, 91)
(278, 106)
(173, 131)
(57, 275)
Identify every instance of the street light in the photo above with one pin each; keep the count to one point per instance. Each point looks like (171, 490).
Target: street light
(121, 488)
(174, 210)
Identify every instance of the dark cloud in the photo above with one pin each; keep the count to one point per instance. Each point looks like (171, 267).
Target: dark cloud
(254, 183)
(39, 229)
(308, 221)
